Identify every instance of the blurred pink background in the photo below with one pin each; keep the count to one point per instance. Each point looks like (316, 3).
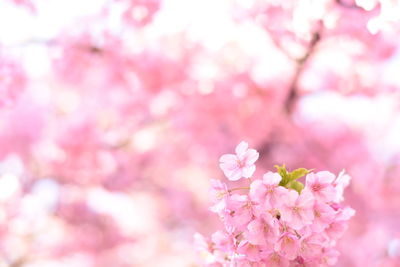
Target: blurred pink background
(113, 114)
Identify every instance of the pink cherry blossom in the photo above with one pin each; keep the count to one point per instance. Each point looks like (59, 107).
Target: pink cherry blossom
(340, 183)
(323, 216)
(251, 251)
(238, 211)
(311, 245)
(260, 232)
(320, 184)
(222, 241)
(267, 189)
(288, 245)
(274, 259)
(219, 192)
(330, 257)
(276, 222)
(297, 210)
(241, 164)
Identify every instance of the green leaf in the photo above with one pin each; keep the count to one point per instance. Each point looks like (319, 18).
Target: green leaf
(298, 173)
(296, 185)
(283, 173)
(289, 178)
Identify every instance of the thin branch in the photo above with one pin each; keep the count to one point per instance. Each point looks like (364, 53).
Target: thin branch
(278, 45)
(293, 94)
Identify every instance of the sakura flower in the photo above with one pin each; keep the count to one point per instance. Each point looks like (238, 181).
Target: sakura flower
(261, 233)
(203, 246)
(241, 262)
(238, 212)
(297, 211)
(266, 212)
(320, 184)
(345, 213)
(219, 192)
(340, 183)
(330, 257)
(323, 216)
(276, 221)
(339, 225)
(241, 164)
(268, 189)
(311, 246)
(251, 251)
(222, 241)
(218, 189)
(200, 242)
(273, 259)
(288, 245)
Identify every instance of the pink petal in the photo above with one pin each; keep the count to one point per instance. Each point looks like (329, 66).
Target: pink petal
(250, 156)
(325, 177)
(241, 148)
(310, 179)
(228, 158)
(343, 179)
(279, 195)
(234, 175)
(306, 199)
(296, 222)
(248, 171)
(307, 216)
(222, 240)
(257, 191)
(219, 206)
(229, 166)
(288, 246)
(276, 260)
(228, 172)
(328, 193)
(242, 217)
(346, 214)
(311, 247)
(286, 213)
(331, 257)
(291, 197)
(271, 178)
(256, 233)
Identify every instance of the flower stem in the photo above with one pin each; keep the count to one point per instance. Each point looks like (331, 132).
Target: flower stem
(239, 188)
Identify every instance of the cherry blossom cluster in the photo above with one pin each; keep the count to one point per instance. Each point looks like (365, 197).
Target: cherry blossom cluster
(279, 221)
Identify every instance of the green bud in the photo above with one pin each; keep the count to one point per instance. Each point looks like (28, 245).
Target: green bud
(289, 178)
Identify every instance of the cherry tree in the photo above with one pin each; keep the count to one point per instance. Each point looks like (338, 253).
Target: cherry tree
(113, 118)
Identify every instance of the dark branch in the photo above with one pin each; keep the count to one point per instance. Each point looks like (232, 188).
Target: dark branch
(292, 95)
(266, 147)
